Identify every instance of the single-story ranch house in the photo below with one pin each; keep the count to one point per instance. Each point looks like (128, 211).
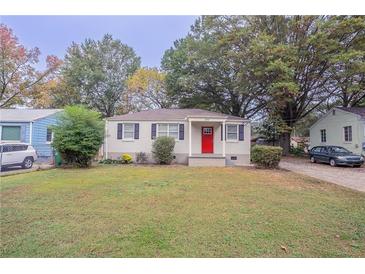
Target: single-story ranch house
(341, 126)
(29, 126)
(203, 138)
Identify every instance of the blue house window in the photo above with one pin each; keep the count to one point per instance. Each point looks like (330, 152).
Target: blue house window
(49, 135)
(10, 133)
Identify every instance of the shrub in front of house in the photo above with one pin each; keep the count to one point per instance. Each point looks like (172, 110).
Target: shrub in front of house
(266, 156)
(141, 158)
(78, 135)
(126, 158)
(162, 150)
(110, 162)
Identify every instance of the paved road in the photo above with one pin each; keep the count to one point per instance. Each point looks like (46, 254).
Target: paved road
(345, 176)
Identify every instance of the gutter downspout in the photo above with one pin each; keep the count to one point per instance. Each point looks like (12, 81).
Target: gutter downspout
(224, 138)
(30, 132)
(190, 154)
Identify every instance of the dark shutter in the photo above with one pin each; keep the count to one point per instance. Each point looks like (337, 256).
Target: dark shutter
(136, 131)
(153, 131)
(221, 132)
(120, 131)
(181, 131)
(241, 132)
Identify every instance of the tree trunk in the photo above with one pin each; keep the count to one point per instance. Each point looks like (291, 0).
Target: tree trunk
(284, 142)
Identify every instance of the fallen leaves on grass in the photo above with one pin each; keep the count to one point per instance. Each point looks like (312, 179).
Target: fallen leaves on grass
(284, 248)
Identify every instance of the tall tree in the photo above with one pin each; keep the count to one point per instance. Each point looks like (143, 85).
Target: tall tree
(98, 71)
(299, 61)
(271, 128)
(214, 68)
(18, 76)
(348, 70)
(146, 90)
(54, 93)
(286, 65)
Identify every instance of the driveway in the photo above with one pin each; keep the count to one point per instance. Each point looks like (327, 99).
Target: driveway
(345, 176)
(17, 170)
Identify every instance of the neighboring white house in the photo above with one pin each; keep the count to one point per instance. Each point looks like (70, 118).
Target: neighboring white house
(341, 127)
(198, 134)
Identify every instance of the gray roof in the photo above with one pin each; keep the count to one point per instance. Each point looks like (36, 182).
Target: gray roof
(355, 110)
(170, 115)
(25, 115)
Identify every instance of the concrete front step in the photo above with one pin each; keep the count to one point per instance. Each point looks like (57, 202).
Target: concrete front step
(216, 161)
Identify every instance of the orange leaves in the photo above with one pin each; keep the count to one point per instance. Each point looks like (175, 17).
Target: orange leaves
(20, 79)
(53, 61)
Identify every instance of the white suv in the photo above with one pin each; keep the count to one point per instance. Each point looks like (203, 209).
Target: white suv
(17, 154)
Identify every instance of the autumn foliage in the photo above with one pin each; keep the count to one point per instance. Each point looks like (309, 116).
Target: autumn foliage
(18, 75)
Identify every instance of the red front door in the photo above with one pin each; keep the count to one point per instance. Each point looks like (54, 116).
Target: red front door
(207, 139)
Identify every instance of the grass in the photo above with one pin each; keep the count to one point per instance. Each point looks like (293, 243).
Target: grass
(127, 211)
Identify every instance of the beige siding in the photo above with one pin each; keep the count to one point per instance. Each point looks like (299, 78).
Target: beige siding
(334, 124)
(144, 143)
(116, 147)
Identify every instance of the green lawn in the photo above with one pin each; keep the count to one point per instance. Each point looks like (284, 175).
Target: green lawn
(127, 211)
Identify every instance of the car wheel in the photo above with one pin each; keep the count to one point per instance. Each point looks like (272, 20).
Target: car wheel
(332, 162)
(312, 159)
(28, 163)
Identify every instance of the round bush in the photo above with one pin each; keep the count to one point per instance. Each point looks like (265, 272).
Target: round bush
(162, 149)
(266, 156)
(126, 158)
(78, 135)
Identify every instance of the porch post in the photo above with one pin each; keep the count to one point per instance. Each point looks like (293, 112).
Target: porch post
(189, 138)
(105, 146)
(224, 138)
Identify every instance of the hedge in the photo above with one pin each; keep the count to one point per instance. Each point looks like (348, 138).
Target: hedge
(266, 156)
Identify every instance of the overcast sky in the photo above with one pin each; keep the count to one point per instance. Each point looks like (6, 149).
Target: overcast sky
(149, 36)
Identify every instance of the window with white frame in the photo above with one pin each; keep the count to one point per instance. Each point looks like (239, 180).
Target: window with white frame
(128, 131)
(49, 136)
(348, 133)
(11, 133)
(323, 136)
(232, 132)
(171, 130)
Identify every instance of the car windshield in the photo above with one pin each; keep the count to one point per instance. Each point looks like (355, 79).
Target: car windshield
(339, 150)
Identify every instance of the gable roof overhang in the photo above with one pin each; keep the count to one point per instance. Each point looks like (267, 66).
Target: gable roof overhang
(25, 115)
(174, 115)
(330, 111)
(195, 118)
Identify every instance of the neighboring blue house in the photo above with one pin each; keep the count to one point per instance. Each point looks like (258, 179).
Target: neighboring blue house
(29, 126)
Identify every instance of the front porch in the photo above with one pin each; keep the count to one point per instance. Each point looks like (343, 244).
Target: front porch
(207, 147)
